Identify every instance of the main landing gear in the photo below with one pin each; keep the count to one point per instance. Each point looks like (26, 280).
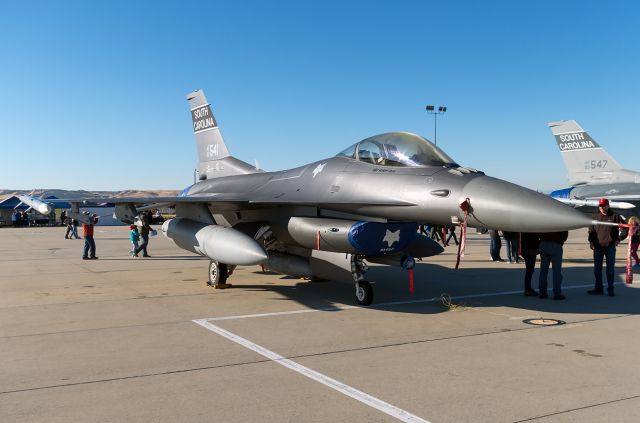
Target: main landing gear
(364, 290)
(218, 274)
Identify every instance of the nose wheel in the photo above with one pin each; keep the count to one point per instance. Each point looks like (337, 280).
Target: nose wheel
(364, 290)
(364, 293)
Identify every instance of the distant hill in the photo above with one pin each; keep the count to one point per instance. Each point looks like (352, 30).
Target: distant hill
(67, 194)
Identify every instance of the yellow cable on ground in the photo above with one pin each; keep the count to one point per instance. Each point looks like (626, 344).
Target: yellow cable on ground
(446, 301)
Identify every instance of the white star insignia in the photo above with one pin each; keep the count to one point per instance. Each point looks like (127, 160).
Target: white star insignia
(318, 169)
(391, 237)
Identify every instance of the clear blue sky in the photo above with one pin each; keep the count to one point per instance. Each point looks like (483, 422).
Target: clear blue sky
(93, 93)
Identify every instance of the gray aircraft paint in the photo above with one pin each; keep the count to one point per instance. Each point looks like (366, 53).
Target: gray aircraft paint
(592, 171)
(236, 214)
(585, 160)
(213, 156)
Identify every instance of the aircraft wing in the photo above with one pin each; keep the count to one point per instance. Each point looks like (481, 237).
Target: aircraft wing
(239, 200)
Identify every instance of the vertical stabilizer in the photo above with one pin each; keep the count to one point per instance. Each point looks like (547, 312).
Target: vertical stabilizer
(585, 160)
(214, 159)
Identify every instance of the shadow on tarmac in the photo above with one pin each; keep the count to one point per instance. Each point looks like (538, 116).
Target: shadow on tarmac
(479, 287)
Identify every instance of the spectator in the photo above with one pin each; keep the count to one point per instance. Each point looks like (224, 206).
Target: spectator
(603, 240)
(530, 243)
(16, 219)
(134, 237)
(452, 234)
(551, 253)
(635, 238)
(87, 232)
(496, 245)
(511, 242)
(74, 229)
(145, 229)
(69, 228)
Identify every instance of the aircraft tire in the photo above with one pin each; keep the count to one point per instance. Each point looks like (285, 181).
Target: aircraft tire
(364, 293)
(218, 273)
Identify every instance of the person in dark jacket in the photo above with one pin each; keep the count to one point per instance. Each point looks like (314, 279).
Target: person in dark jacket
(145, 230)
(551, 253)
(603, 240)
(529, 244)
(452, 234)
(496, 245)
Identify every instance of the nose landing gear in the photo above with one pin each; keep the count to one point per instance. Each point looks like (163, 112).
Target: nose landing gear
(364, 290)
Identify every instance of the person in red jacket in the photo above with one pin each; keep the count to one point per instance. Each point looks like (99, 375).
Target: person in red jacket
(89, 243)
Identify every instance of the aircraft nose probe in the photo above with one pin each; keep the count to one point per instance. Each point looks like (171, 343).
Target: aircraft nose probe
(498, 204)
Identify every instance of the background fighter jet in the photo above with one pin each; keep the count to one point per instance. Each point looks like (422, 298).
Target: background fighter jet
(593, 172)
(365, 203)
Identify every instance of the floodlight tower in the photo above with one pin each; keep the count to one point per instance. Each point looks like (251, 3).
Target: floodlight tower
(432, 110)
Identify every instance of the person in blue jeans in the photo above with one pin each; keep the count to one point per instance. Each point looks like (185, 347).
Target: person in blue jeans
(603, 240)
(496, 245)
(511, 239)
(551, 254)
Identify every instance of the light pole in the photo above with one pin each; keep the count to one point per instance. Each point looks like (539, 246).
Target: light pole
(432, 110)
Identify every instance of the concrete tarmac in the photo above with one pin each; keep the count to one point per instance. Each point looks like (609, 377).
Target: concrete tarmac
(120, 339)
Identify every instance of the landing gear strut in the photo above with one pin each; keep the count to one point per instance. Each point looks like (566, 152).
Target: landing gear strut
(364, 290)
(218, 274)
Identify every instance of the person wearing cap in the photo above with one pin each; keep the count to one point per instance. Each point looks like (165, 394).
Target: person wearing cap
(87, 232)
(603, 240)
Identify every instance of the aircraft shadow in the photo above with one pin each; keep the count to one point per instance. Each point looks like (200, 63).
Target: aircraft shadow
(466, 287)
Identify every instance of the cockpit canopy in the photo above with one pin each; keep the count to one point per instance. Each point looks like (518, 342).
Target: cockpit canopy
(398, 149)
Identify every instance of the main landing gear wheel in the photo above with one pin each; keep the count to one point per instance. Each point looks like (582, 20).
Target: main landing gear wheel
(218, 274)
(364, 293)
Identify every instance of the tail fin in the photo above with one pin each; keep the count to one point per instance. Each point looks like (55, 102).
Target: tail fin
(214, 159)
(585, 160)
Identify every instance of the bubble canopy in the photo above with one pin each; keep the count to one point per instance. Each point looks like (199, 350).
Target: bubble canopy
(398, 149)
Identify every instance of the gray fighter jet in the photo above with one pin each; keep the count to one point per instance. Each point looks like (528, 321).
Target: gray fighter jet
(593, 173)
(365, 203)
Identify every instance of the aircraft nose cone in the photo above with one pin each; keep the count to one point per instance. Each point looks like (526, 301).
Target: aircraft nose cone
(497, 204)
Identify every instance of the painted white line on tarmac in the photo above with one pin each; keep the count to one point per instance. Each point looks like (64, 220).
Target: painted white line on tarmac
(380, 305)
(350, 391)
(282, 313)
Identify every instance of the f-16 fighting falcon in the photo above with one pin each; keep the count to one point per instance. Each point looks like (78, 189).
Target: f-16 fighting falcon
(365, 203)
(593, 173)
